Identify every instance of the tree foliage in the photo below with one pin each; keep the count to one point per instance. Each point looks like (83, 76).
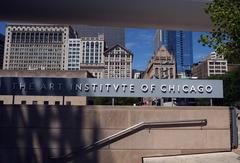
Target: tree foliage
(225, 35)
(231, 88)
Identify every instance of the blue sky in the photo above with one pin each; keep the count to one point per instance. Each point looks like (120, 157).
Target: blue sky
(2, 27)
(141, 41)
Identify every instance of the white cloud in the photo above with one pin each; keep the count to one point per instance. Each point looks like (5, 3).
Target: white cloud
(199, 57)
(131, 45)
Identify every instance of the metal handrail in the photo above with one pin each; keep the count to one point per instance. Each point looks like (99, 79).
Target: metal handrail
(127, 132)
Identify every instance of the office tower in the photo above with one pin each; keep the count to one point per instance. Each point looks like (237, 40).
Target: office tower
(112, 35)
(74, 54)
(2, 39)
(158, 40)
(118, 62)
(36, 47)
(211, 65)
(92, 58)
(92, 49)
(161, 66)
(178, 43)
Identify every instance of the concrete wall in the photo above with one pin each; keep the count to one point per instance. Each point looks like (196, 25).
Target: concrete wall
(32, 133)
(73, 100)
(6, 99)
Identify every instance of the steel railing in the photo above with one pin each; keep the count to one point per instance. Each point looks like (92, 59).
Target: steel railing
(127, 132)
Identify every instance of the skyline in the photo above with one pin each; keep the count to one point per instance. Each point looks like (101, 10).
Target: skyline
(179, 43)
(140, 41)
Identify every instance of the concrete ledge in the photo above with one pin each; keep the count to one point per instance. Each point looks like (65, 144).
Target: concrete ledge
(226, 157)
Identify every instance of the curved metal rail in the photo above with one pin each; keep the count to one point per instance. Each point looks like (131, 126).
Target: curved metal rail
(127, 132)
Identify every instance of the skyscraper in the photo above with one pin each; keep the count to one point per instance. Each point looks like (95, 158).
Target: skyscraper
(2, 38)
(178, 43)
(112, 35)
(92, 49)
(74, 54)
(36, 47)
(91, 56)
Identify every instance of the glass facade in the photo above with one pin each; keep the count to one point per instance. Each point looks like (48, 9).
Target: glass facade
(179, 43)
(112, 35)
(74, 54)
(2, 39)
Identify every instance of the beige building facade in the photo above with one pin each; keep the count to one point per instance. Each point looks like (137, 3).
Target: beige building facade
(97, 69)
(211, 65)
(161, 66)
(91, 56)
(45, 100)
(118, 62)
(36, 47)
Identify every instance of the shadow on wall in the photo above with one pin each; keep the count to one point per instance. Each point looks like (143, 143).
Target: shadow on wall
(30, 134)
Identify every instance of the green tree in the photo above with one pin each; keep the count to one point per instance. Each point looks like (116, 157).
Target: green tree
(225, 35)
(231, 88)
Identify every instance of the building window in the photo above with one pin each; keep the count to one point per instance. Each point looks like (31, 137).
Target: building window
(34, 102)
(68, 103)
(1, 102)
(57, 102)
(156, 71)
(45, 102)
(23, 102)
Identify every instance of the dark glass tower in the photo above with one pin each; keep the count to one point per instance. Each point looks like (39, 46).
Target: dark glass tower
(112, 35)
(179, 43)
(2, 40)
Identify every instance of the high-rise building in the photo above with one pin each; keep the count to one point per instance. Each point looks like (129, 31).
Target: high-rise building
(92, 49)
(36, 47)
(92, 58)
(157, 40)
(74, 54)
(178, 43)
(112, 35)
(211, 65)
(118, 62)
(161, 65)
(2, 39)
